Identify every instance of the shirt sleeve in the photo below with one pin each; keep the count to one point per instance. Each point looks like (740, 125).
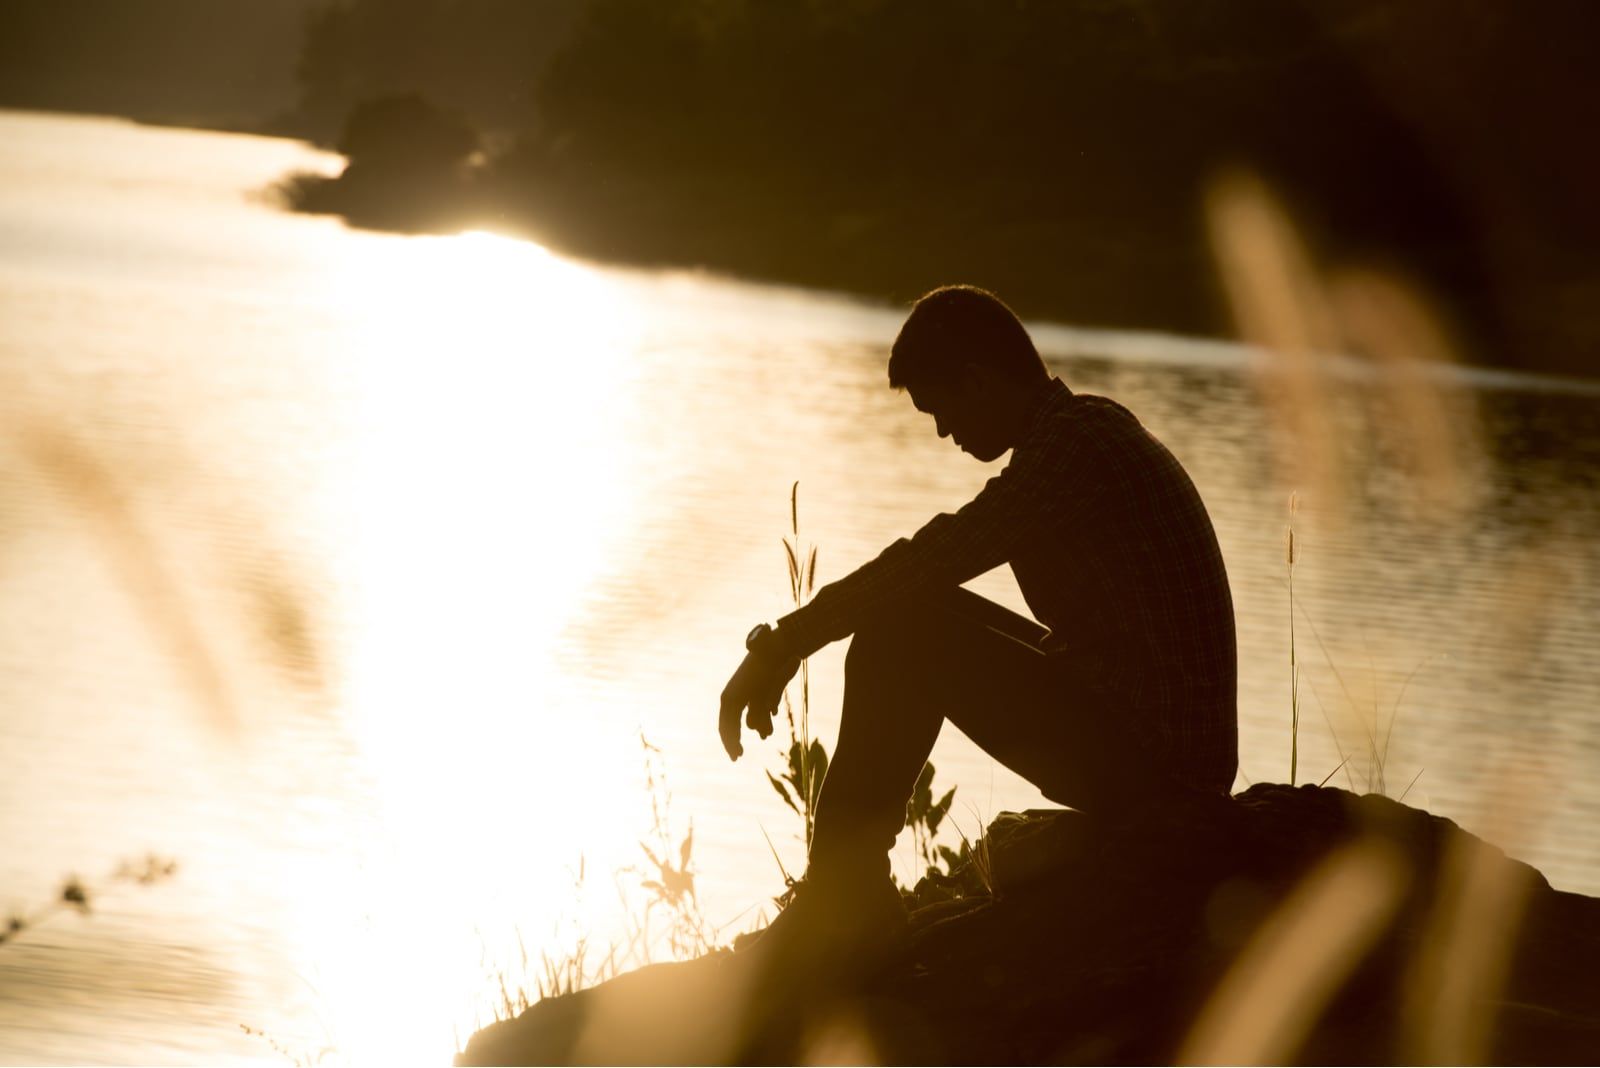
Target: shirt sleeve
(1036, 491)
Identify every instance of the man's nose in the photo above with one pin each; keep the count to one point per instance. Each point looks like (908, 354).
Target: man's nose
(938, 424)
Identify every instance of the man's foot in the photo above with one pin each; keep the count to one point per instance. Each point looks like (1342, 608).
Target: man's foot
(833, 930)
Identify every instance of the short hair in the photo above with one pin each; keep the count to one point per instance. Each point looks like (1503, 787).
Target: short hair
(956, 325)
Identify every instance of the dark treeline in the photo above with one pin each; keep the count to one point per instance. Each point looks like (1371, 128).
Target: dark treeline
(481, 57)
(295, 66)
(204, 62)
(1054, 151)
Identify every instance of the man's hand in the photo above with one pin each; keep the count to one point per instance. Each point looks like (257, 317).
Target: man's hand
(757, 685)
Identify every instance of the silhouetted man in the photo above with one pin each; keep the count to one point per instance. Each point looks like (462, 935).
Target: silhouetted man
(1125, 695)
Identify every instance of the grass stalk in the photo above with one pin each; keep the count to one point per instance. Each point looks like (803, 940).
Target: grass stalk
(1294, 663)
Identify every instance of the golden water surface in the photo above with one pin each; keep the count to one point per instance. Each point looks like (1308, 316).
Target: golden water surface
(347, 569)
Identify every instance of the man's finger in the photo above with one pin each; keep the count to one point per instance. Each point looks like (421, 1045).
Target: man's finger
(760, 721)
(769, 701)
(728, 725)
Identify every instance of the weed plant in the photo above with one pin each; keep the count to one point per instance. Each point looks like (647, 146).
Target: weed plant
(78, 896)
(924, 816)
(1377, 730)
(668, 878)
(800, 781)
(1294, 663)
(660, 915)
(1297, 306)
(295, 1055)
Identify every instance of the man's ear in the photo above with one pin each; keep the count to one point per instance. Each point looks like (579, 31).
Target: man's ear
(975, 379)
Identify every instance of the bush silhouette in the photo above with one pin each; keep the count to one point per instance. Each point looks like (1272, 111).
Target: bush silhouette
(406, 133)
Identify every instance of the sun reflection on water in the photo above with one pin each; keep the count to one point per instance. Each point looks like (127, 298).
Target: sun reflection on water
(493, 483)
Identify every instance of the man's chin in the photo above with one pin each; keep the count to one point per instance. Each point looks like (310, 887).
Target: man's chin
(983, 455)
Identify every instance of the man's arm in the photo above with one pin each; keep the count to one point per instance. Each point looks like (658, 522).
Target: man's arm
(1036, 491)
(949, 549)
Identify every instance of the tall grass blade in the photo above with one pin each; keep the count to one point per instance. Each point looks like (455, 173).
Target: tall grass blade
(1332, 773)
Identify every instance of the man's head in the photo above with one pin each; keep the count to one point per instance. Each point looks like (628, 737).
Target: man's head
(967, 361)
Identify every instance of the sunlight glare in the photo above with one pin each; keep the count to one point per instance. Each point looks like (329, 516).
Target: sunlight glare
(493, 458)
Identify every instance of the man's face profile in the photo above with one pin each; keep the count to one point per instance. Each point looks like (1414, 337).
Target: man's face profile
(963, 411)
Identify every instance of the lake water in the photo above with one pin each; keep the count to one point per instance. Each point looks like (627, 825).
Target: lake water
(347, 569)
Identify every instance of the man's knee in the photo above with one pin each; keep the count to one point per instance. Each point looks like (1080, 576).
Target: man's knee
(882, 650)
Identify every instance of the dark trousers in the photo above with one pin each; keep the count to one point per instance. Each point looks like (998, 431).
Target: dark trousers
(962, 658)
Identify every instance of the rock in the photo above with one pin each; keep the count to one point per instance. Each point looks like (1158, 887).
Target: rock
(1282, 924)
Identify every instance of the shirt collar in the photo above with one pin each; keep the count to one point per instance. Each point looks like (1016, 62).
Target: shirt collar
(1050, 394)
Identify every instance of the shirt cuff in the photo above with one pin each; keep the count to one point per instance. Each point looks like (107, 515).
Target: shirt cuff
(796, 635)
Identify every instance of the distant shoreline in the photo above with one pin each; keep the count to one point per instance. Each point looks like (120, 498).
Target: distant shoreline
(242, 125)
(555, 214)
(557, 223)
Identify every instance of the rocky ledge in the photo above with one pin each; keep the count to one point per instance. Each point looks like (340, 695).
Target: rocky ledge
(1284, 924)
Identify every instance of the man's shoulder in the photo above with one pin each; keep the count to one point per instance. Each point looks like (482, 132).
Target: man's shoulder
(1091, 415)
(1093, 402)
(1085, 428)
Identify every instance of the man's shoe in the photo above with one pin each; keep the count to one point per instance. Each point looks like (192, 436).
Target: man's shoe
(832, 930)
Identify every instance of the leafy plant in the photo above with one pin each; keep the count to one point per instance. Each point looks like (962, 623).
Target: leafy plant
(669, 877)
(801, 781)
(806, 765)
(665, 877)
(924, 816)
(800, 785)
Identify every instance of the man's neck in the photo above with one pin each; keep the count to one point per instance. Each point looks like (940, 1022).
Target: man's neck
(1034, 398)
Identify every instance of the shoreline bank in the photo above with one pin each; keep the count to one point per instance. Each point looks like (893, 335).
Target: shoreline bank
(1283, 925)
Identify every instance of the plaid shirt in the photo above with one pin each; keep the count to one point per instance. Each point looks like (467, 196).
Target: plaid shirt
(1114, 553)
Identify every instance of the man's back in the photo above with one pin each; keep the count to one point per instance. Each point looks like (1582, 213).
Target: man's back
(1127, 574)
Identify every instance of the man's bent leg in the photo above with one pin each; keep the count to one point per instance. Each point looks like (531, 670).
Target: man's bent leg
(962, 658)
(886, 732)
(906, 672)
